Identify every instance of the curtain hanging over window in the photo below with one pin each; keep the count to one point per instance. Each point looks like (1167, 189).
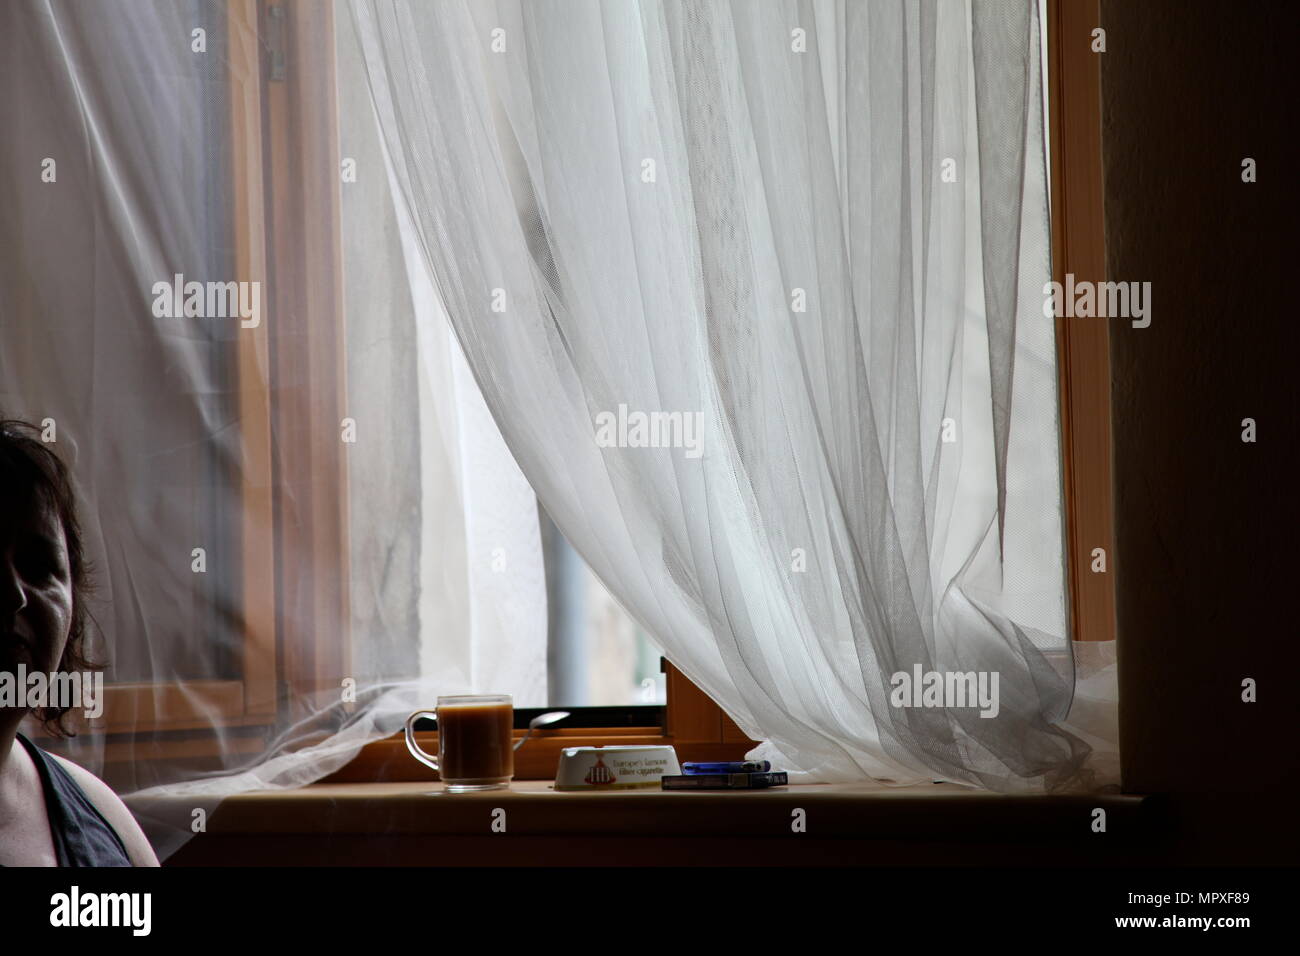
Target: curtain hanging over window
(748, 294)
(754, 291)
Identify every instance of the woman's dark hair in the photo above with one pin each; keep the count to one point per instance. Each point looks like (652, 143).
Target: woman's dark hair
(31, 476)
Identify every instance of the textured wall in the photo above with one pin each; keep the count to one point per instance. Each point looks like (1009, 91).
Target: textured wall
(1206, 526)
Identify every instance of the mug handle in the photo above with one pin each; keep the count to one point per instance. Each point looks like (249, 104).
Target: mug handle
(427, 759)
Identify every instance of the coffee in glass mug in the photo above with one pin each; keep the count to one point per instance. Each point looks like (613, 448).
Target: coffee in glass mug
(475, 749)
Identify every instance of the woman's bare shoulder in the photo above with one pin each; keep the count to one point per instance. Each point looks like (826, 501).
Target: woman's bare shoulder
(110, 805)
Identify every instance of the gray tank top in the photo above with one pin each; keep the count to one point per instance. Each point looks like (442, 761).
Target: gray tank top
(82, 837)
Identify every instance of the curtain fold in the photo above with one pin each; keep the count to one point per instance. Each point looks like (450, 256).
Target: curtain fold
(818, 232)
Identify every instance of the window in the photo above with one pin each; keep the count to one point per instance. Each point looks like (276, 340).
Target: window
(259, 170)
(597, 654)
(288, 385)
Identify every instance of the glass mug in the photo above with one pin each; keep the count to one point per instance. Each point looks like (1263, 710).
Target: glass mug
(475, 751)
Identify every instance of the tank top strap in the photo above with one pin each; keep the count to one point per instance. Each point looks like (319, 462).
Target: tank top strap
(82, 837)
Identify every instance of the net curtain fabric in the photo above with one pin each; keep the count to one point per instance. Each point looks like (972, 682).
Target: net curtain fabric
(821, 229)
(817, 229)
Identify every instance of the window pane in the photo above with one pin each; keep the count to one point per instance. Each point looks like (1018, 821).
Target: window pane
(597, 654)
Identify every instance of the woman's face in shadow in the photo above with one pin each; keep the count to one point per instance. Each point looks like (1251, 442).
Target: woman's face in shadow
(35, 588)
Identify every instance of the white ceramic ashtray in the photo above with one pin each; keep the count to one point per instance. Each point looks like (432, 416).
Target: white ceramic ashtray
(615, 768)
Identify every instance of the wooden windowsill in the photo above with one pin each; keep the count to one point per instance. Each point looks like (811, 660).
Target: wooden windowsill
(414, 823)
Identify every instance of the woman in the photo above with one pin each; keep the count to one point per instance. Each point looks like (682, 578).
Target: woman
(52, 812)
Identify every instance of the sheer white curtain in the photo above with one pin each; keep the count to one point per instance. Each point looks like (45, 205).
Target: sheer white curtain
(821, 227)
(114, 175)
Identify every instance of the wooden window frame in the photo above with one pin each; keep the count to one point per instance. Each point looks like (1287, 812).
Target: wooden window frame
(1083, 344)
(174, 717)
(291, 383)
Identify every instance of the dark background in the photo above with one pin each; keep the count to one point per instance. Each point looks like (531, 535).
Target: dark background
(1206, 554)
